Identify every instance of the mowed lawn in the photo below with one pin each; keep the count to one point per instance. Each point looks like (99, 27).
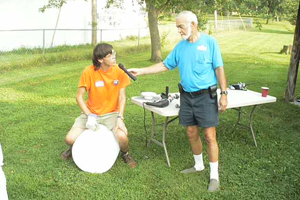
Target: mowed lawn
(38, 107)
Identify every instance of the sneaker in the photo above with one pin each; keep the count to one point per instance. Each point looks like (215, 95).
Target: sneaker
(190, 170)
(213, 185)
(66, 154)
(128, 159)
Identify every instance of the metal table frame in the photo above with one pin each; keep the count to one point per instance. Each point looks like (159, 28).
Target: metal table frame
(248, 98)
(161, 143)
(250, 126)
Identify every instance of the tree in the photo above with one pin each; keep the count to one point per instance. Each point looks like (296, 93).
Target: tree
(290, 10)
(94, 22)
(247, 7)
(157, 7)
(54, 4)
(271, 8)
(154, 8)
(59, 4)
(294, 63)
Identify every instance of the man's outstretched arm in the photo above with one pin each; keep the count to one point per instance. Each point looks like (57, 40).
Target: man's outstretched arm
(153, 69)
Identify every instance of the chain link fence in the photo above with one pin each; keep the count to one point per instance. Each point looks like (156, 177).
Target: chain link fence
(228, 25)
(31, 46)
(18, 47)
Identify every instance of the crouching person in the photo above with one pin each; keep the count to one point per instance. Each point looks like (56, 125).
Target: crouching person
(105, 83)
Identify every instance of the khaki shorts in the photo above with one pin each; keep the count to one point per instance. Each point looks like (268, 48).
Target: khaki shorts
(109, 120)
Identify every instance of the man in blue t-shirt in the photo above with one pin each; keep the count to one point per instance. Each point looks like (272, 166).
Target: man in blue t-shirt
(200, 64)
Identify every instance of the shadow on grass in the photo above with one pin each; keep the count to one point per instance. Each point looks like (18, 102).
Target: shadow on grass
(272, 31)
(271, 52)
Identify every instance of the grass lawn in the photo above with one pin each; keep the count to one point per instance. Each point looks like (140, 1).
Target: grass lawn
(38, 108)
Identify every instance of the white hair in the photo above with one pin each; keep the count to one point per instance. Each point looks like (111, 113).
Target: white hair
(191, 17)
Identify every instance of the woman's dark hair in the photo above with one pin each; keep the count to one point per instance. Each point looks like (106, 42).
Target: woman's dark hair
(101, 51)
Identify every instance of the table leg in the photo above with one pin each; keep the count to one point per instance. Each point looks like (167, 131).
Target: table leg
(163, 143)
(164, 138)
(239, 119)
(153, 129)
(250, 126)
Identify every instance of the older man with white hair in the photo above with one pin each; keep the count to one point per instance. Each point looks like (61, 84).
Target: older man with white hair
(200, 64)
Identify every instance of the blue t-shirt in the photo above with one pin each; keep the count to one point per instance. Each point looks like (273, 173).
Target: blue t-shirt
(196, 62)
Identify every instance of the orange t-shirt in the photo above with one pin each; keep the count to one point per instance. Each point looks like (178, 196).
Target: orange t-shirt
(103, 88)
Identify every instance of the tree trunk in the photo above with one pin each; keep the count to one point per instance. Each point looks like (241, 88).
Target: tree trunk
(216, 19)
(294, 63)
(94, 22)
(154, 32)
(56, 26)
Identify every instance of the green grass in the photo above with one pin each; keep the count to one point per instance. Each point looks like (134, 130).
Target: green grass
(38, 108)
(24, 58)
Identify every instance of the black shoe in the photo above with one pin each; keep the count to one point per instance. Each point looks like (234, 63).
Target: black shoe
(66, 154)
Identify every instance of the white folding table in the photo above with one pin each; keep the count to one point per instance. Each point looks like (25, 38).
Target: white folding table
(236, 100)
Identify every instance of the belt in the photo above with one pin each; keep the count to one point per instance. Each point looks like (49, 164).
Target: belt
(199, 92)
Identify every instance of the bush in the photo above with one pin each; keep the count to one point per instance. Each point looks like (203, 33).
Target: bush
(258, 24)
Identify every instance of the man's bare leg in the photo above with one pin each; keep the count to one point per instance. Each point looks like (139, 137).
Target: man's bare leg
(213, 154)
(196, 145)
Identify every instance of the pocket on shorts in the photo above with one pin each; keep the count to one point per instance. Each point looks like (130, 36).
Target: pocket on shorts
(208, 100)
(214, 100)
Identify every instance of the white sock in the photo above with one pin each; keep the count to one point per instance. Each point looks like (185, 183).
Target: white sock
(199, 166)
(214, 170)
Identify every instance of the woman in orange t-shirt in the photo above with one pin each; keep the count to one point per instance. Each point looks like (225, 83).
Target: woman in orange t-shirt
(105, 83)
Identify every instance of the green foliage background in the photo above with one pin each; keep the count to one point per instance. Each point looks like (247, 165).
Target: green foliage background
(38, 108)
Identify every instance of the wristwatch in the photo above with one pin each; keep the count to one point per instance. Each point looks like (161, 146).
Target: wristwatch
(224, 92)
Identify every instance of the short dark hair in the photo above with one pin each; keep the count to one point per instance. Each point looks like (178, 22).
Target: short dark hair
(101, 51)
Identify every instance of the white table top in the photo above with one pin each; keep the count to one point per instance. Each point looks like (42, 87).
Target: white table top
(236, 99)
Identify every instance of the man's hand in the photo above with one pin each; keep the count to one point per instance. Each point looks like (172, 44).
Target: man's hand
(92, 122)
(135, 71)
(153, 69)
(223, 103)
